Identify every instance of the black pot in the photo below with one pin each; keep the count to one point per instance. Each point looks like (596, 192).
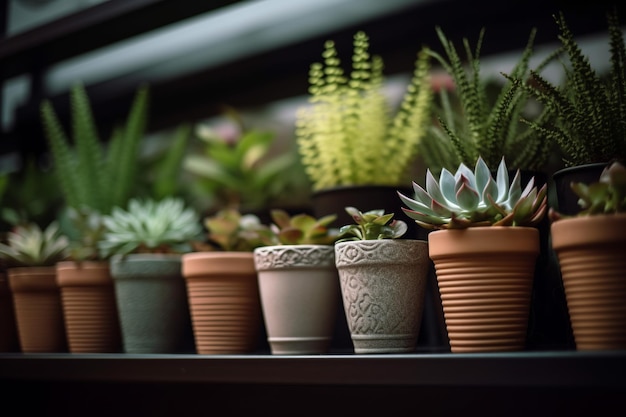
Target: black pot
(566, 200)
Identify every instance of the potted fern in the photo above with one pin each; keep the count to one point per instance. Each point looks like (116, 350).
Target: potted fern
(589, 107)
(298, 283)
(484, 244)
(383, 281)
(222, 284)
(30, 254)
(347, 137)
(590, 249)
(144, 243)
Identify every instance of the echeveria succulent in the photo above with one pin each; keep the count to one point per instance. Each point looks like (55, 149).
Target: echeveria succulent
(474, 198)
(302, 229)
(231, 231)
(29, 245)
(371, 225)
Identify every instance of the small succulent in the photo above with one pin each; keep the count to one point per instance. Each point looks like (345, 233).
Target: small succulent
(302, 229)
(607, 196)
(229, 230)
(473, 198)
(371, 225)
(30, 245)
(87, 230)
(150, 226)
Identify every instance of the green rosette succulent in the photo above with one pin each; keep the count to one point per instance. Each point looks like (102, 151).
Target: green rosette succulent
(371, 225)
(30, 245)
(474, 198)
(302, 229)
(229, 230)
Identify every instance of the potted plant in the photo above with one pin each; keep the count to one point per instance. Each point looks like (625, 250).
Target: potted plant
(590, 250)
(30, 254)
(222, 284)
(589, 109)
(484, 245)
(298, 283)
(383, 280)
(346, 137)
(145, 243)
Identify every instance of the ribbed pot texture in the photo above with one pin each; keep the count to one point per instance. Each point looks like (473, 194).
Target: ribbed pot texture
(89, 309)
(8, 331)
(485, 277)
(38, 309)
(224, 301)
(593, 263)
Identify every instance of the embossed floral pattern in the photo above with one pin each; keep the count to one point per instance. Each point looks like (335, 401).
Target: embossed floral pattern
(282, 256)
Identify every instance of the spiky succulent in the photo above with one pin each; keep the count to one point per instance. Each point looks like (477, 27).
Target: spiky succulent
(371, 225)
(474, 198)
(606, 196)
(30, 245)
(302, 229)
(229, 230)
(150, 226)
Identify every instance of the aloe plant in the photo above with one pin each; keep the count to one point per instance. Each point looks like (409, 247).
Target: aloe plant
(150, 226)
(346, 135)
(371, 225)
(475, 198)
(30, 245)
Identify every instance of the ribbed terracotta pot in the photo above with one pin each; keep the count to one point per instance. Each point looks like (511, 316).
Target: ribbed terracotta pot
(383, 284)
(485, 277)
(152, 303)
(224, 301)
(8, 331)
(89, 309)
(38, 310)
(300, 296)
(592, 259)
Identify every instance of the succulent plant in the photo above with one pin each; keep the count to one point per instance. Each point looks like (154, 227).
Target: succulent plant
(473, 198)
(87, 230)
(607, 196)
(229, 230)
(371, 225)
(302, 229)
(30, 245)
(150, 226)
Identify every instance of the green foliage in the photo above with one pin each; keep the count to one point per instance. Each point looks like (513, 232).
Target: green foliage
(229, 230)
(302, 229)
(590, 107)
(85, 229)
(474, 198)
(482, 116)
(347, 136)
(88, 175)
(150, 226)
(30, 245)
(240, 171)
(371, 225)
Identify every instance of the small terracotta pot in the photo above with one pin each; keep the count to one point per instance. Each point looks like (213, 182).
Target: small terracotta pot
(300, 296)
(89, 309)
(8, 332)
(485, 277)
(38, 309)
(590, 250)
(224, 301)
(383, 284)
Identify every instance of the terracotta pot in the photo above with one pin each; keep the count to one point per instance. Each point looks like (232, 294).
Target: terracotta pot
(383, 284)
(224, 301)
(485, 277)
(8, 332)
(38, 309)
(152, 303)
(590, 250)
(300, 296)
(89, 309)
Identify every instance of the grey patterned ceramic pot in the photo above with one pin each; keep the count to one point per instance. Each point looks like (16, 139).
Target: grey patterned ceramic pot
(383, 284)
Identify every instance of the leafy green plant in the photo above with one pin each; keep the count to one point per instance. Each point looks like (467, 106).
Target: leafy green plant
(150, 226)
(229, 230)
(346, 135)
(475, 198)
(302, 229)
(482, 115)
(606, 196)
(240, 172)
(590, 107)
(30, 245)
(371, 225)
(88, 175)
